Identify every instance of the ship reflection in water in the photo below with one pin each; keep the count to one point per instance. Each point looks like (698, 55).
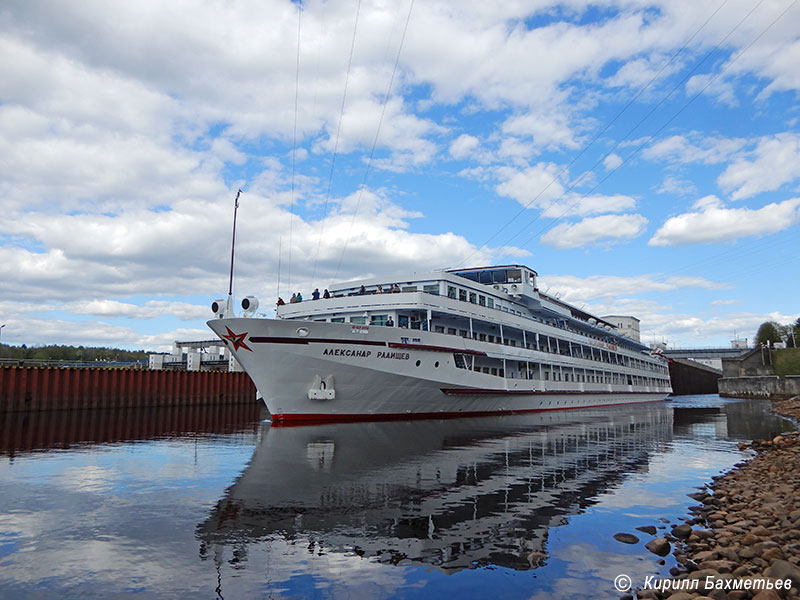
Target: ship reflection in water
(204, 502)
(454, 494)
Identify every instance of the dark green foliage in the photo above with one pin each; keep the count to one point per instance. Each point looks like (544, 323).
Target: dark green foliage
(768, 332)
(71, 353)
(794, 333)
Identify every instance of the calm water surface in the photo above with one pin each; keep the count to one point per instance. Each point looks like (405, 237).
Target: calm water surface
(214, 502)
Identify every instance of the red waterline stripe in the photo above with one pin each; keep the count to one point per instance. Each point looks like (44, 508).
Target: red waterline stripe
(292, 420)
(435, 348)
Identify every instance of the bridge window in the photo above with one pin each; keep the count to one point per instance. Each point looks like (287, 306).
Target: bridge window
(462, 295)
(451, 292)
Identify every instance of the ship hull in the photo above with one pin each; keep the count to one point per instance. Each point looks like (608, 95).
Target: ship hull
(315, 371)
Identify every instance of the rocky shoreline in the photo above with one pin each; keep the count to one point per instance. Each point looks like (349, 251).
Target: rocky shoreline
(743, 540)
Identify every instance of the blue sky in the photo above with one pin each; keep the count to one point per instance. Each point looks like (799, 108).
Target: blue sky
(643, 157)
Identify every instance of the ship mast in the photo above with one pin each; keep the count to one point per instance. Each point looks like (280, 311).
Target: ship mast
(233, 247)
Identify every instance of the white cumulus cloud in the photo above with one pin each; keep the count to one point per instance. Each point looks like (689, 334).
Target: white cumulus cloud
(774, 162)
(605, 229)
(712, 222)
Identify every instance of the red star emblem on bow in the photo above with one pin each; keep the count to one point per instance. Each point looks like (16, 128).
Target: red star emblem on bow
(237, 339)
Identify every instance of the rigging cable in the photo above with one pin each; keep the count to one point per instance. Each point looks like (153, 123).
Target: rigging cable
(375, 141)
(336, 144)
(608, 125)
(649, 138)
(294, 144)
(278, 291)
(596, 137)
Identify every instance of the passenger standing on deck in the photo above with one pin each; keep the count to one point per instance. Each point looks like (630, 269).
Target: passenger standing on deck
(293, 299)
(326, 294)
(281, 302)
(299, 297)
(362, 290)
(315, 294)
(389, 322)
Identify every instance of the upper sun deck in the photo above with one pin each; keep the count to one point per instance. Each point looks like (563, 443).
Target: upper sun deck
(501, 294)
(512, 281)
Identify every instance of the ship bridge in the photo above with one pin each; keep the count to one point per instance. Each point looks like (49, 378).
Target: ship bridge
(515, 280)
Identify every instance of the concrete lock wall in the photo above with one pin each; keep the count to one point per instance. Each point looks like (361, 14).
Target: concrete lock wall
(760, 386)
(692, 377)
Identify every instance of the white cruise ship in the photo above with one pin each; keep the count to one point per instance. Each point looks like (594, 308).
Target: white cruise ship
(459, 342)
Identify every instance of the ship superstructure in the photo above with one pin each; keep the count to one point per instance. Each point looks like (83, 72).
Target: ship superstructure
(463, 341)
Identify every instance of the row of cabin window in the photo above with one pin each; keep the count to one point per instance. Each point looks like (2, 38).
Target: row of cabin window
(473, 298)
(476, 298)
(571, 374)
(465, 296)
(481, 300)
(558, 346)
(546, 344)
(379, 320)
(575, 350)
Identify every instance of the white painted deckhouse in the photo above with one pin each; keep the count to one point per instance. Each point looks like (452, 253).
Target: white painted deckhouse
(466, 341)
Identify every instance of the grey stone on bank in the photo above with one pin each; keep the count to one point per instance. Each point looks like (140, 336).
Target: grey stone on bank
(651, 529)
(682, 531)
(782, 569)
(749, 524)
(626, 538)
(658, 546)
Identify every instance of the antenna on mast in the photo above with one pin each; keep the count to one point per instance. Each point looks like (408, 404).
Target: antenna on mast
(233, 247)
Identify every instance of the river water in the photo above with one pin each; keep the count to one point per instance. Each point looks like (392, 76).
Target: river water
(215, 502)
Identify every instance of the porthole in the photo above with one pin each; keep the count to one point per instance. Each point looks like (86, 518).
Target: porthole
(419, 363)
(436, 364)
(302, 332)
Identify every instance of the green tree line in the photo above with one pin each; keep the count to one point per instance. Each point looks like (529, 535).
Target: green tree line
(771, 332)
(71, 353)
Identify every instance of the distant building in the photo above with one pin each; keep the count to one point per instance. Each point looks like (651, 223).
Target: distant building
(737, 343)
(627, 326)
(195, 356)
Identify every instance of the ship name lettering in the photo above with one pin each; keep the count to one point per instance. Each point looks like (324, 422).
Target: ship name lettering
(395, 355)
(346, 352)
